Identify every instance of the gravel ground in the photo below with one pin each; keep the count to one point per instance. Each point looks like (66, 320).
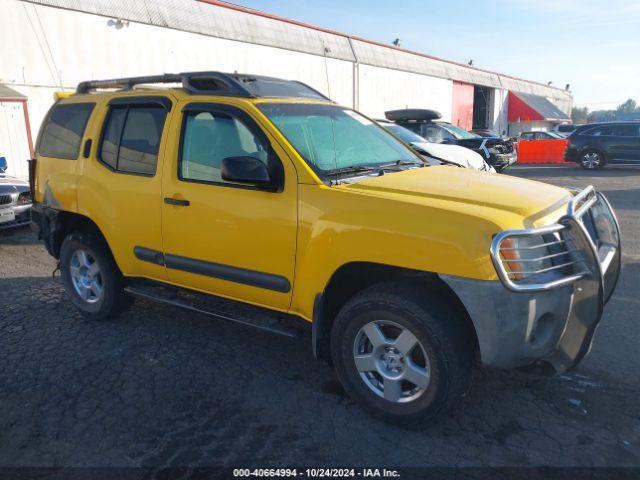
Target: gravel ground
(159, 387)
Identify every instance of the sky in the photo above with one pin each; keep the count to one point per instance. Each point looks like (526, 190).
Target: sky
(593, 45)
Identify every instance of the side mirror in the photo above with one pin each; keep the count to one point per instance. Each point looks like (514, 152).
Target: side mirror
(247, 170)
(3, 164)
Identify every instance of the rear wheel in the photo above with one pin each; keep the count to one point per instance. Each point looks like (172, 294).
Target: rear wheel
(91, 277)
(405, 358)
(592, 160)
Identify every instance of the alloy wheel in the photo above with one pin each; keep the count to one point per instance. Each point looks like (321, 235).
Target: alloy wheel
(591, 160)
(391, 361)
(86, 276)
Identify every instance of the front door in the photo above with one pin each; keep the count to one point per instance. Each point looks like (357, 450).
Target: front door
(221, 237)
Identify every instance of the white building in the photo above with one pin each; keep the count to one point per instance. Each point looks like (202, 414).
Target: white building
(52, 45)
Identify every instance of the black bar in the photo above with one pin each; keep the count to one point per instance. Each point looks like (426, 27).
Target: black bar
(177, 202)
(128, 82)
(87, 148)
(32, 178)
(140, 293)
(226, 272)
(148, 255)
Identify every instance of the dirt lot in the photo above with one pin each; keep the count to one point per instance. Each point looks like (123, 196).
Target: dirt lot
(159, 387)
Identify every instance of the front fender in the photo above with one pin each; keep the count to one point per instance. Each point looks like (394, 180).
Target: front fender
(338, 227)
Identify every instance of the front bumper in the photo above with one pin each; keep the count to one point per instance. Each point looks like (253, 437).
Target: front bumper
(500, 161)
(21, 217)
(552, 322)
(571, 154)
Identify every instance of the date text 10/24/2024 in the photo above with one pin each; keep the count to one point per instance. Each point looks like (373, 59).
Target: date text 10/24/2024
(316, 472)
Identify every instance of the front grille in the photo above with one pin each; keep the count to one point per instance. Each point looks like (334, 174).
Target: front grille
(546, 257)
(5, 199)
(501, 147)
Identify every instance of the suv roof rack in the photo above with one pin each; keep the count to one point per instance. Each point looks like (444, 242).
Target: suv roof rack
(214, 83)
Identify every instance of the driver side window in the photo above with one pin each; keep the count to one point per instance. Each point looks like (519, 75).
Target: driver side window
(210, 137)
(434, 133)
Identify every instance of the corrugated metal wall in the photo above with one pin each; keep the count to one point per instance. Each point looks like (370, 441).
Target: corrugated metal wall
(47, 45)
(222, 22)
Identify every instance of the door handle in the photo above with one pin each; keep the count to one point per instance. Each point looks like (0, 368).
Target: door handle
(176, 201)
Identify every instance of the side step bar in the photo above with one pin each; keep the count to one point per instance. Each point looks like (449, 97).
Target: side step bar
(222, 309)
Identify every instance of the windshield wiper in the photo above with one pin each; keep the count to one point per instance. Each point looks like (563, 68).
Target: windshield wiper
(352, 169)
(401, 163)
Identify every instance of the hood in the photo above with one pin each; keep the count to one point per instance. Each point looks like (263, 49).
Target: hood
(12, 185)
(7, 180)
(526, 198)
(453, 153)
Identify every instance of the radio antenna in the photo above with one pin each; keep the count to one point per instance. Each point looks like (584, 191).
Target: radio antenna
(326, 50)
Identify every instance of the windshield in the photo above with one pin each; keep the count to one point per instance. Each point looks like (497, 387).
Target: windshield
(459, 133)
(404, 134)
(329, 137)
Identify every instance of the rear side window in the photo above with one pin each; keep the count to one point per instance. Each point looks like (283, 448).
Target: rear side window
(63, 129)
(131, 138)
(566, 128)
(625, 130)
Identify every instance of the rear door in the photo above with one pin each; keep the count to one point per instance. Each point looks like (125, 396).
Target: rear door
(121, 184)
(625, 142)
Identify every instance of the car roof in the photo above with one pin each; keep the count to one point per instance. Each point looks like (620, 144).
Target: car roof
(208, 83)
(613, 122)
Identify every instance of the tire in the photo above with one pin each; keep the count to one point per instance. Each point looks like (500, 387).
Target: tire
(91, 277)
(444, 348)
(592, 160)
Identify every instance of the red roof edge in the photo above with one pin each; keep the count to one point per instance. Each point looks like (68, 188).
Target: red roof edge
(259, 13)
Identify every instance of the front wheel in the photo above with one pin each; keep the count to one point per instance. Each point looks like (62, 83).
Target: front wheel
(592, 160)
(91, 277)
(403, 357)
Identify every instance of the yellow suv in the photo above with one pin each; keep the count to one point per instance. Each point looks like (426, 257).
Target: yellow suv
(265, 193)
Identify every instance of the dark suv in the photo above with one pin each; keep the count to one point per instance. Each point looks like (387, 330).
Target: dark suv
(596, 144)
(498, 152)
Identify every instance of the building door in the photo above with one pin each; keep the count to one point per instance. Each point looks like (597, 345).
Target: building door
(462, 111)
(482, 103)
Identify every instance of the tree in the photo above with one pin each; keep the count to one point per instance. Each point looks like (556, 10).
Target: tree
(629, 106)
(579, 114)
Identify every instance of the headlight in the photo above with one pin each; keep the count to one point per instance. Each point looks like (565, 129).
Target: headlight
(529, 260)
(525, 256)
(24, 198)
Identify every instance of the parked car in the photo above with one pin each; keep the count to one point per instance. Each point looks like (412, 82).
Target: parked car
(485, 132)
(265, 192)
(597, 144)
(498, 152)
(439, 152)
(540, 136)
(564, 129)
(15, 199)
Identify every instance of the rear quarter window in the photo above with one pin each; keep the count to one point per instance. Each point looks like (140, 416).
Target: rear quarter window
(62, 131)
